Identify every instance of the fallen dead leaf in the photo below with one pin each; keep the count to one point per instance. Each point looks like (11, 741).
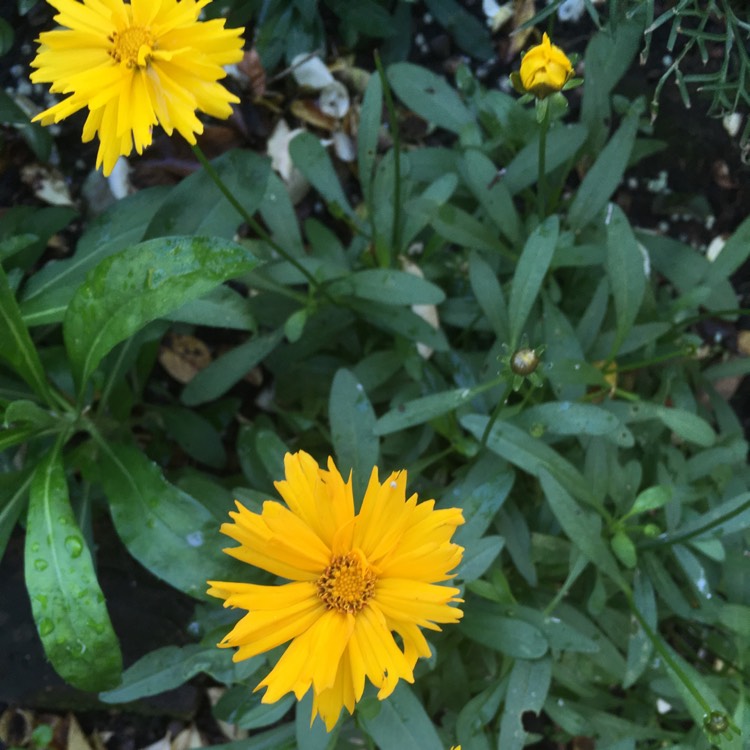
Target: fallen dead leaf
(183, 357)
(252, 68)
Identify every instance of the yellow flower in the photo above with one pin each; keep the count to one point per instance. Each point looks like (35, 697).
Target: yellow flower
(150, 62)
(544, 69)
(355, 579)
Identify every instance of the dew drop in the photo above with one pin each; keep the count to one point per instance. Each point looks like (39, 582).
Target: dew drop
(74, 545)
(46, 626)
(35, 547)
(195, 538)
(40, 564)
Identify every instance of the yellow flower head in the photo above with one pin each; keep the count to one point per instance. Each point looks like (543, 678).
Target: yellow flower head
(545, 69)
(135, 65)
(354, 581)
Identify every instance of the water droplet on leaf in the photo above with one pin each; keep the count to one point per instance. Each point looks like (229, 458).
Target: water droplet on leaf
(74, 545)
(46, 626)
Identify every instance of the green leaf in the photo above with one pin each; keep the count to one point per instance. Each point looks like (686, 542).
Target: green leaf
(370, 115)
(423, 409)
(280, 216)
(18, 349)
(311, 158)
(313, 736)
(481, 177)
(49, 290)
(486, 623)
(389, 287)
(29, 413)
(429, 95)
(401, 321)
(528, 453)
(14, 489)
(461, 228)
(195, 434)
(640, 646)
(196, 206)
(489, 295)
(609, 54)
(651, 498)
(734, 253)
(420, 210)
(529, 274)
(478, 557)
(66, 601)
(165, 669)
(402, 722)
(729, 516)
(684, 423)
(140, 284)
(527, 690)
(478, 713)
(625, 270)
(624, 549)
(6, 36)
(469, 33)
(216, 379)
(222, 307)
(581, 526)
(168, 531)
(605, 175)
(562, 145)
(352, 421)
(571, 418)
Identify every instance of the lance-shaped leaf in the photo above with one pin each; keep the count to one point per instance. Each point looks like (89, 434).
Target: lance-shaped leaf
(17, 347)
(530, 271)
(164, 528)
(140, 284)
(66, 600)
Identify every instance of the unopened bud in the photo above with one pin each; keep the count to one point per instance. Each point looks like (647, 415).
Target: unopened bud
(524, 362)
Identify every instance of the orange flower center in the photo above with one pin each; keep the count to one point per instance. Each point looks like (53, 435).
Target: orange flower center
(132, 47)
(347, 583)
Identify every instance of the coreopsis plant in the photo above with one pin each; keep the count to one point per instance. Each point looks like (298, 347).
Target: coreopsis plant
(355, 579)
(133, 66)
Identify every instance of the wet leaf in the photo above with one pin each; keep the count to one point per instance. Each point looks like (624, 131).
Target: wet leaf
(140, 284)
(67, 603)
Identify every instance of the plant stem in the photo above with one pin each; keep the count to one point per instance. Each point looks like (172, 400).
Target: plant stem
(393, 124)
(252, 222)
(542, 181)
(664, 653)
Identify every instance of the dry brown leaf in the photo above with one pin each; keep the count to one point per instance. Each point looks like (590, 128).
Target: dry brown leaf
(48, 184)
(76, 738)
(252, 67)
(230, 731)
(16, 726)
(188, 739)
(743, 343)
(307, 111)
(523, 11)
(183, 357)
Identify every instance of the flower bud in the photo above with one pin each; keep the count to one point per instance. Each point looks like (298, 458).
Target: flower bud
(524, 362)
(545, 69)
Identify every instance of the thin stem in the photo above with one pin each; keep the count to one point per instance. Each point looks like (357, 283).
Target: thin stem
(664, 653)
(542, 182)
(251, 221)
(495, 414)
(393, 124)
